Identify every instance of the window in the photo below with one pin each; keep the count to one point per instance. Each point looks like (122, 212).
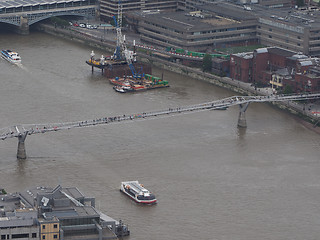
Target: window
(43, 226)
(55, 236)
(43, 236)
(55, 226)
(34, 235)
(21, 235)
(3, 236)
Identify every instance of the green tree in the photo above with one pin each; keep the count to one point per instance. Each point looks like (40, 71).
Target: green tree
(300, 3)
(287, 89)
(207, 63)
(59, 21)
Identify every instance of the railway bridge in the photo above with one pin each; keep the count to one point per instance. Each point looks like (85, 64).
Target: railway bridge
(22, 13)
(23, 130)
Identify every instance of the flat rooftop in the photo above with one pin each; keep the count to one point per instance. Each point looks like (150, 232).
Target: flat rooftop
(289, 16)
(183, 21)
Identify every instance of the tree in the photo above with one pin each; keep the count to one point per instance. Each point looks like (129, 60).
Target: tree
(300, 3)
(287, 89)
(207, 63)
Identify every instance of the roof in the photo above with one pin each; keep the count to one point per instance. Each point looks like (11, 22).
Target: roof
(214, 15)
(282, 72)
(281, 51)
(245, 55)
(227, 10)
(19, 3)
(293, 18)
(261, 50)
(306, 63)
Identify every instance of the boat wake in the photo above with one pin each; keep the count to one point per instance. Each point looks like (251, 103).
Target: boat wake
(20, 65)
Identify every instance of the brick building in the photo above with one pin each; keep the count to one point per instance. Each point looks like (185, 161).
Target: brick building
(278, 68)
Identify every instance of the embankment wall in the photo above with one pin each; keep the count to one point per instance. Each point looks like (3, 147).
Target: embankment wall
(225, 82)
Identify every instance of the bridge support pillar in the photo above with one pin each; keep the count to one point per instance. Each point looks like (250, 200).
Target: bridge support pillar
(242, 122)
(24, 26)
(21, 152)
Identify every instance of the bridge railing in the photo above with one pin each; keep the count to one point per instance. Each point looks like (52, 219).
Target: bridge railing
(22, 129)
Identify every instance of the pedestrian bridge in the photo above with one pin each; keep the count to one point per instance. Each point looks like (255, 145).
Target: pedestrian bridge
(21, 131)
(23, 13)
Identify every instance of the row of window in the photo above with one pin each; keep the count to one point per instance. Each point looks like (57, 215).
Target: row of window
(224, 30)
(55, 236)
(54, 226)
(287, 41)
(16, 236)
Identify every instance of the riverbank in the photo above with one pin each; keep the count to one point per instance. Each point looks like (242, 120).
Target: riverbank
(108, 44)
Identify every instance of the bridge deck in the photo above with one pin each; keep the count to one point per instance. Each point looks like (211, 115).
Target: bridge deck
(23, 129)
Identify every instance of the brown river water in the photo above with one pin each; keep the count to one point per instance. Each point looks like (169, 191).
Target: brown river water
(212, 180)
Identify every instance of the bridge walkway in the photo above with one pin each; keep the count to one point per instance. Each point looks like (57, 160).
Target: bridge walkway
(30, 129)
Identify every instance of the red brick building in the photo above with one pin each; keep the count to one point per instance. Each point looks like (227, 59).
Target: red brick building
(241, 67)
(277, 68)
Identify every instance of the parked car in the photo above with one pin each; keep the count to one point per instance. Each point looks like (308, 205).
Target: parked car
(83, 25)
(76, 24)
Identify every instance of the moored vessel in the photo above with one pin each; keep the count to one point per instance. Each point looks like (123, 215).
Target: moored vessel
(11, 56)
(146, 82)
(119, 89)
(137, 192)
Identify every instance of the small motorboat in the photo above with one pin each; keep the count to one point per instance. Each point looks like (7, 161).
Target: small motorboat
(119, 89)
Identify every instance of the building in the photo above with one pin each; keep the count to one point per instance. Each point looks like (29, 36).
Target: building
(204, 26)
(276, 3)
(278, 68)
(289, 28)
(109, 8)
(241, 67)
(213, 26)
(55, 213)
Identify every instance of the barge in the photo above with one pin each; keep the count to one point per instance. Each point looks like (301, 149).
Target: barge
(147, 82)
(138, 192)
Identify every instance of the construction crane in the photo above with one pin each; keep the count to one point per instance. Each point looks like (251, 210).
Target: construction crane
(121, 51)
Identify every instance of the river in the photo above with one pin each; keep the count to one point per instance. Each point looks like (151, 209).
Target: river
(212, 180)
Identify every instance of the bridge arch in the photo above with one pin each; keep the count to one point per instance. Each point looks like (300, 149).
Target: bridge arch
(11, 20)
(22, 14)
(32, 19)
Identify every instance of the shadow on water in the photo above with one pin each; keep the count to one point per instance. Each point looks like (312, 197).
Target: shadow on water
(21, 166)
(241, 132)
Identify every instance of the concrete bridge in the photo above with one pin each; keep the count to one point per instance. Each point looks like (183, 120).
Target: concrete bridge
(21, 131)
(23, 13)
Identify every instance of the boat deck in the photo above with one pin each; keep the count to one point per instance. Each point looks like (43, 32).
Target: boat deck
(134, 185)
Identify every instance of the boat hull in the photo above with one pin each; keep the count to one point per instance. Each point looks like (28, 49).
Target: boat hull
(10, 56)
(139, 201)
(134, 196)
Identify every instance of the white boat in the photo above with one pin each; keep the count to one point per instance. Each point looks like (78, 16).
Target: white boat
(11, 56)
(137, 192)
(119, 89)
